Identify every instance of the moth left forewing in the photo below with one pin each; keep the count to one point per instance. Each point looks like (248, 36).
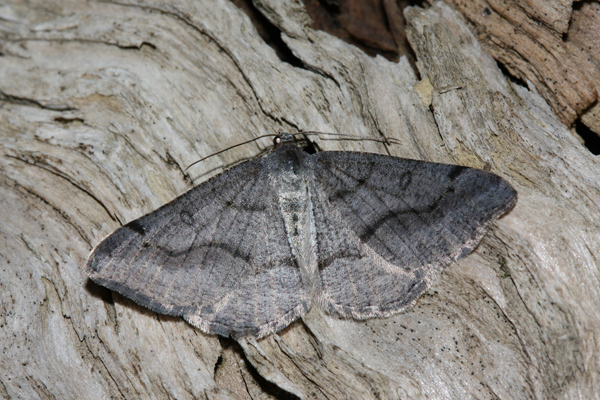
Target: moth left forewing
(217, 255)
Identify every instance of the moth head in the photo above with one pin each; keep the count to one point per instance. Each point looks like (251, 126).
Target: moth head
(283, 137)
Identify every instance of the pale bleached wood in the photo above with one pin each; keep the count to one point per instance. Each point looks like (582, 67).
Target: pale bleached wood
(104, 104)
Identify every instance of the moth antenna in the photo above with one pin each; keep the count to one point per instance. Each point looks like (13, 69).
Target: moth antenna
(229, 148)
(346, 136)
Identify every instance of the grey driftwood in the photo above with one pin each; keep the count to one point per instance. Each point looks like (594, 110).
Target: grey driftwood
(105, 103)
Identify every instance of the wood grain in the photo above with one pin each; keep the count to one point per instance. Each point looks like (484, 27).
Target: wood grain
(104, 104)
(526, 37)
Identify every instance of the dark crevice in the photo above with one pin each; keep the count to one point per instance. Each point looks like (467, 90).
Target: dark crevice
(67, 121)
(269, 33)
(138, 47)
(375, 26)
(217, 365)
(30, 102)
(269, 388)
(310, 147)
(510, 76)
(591, 139)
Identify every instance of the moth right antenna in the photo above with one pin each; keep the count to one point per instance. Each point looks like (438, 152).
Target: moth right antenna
(347, 136)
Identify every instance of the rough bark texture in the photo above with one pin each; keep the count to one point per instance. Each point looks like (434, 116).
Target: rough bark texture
(105, 103)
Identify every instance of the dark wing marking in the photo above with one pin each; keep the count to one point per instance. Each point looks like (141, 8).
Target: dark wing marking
(217, 255)
(387, 226)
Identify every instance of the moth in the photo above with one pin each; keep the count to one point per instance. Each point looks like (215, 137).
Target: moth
(249, 251)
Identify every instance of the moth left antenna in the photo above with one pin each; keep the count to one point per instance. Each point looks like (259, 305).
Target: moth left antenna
(229, 148)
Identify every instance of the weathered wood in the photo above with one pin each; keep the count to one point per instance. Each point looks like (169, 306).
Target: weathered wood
(527, 37)
(103, 106)
(584, 33)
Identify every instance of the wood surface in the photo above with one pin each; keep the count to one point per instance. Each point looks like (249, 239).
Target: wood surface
(104, 104)
(532, 39)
